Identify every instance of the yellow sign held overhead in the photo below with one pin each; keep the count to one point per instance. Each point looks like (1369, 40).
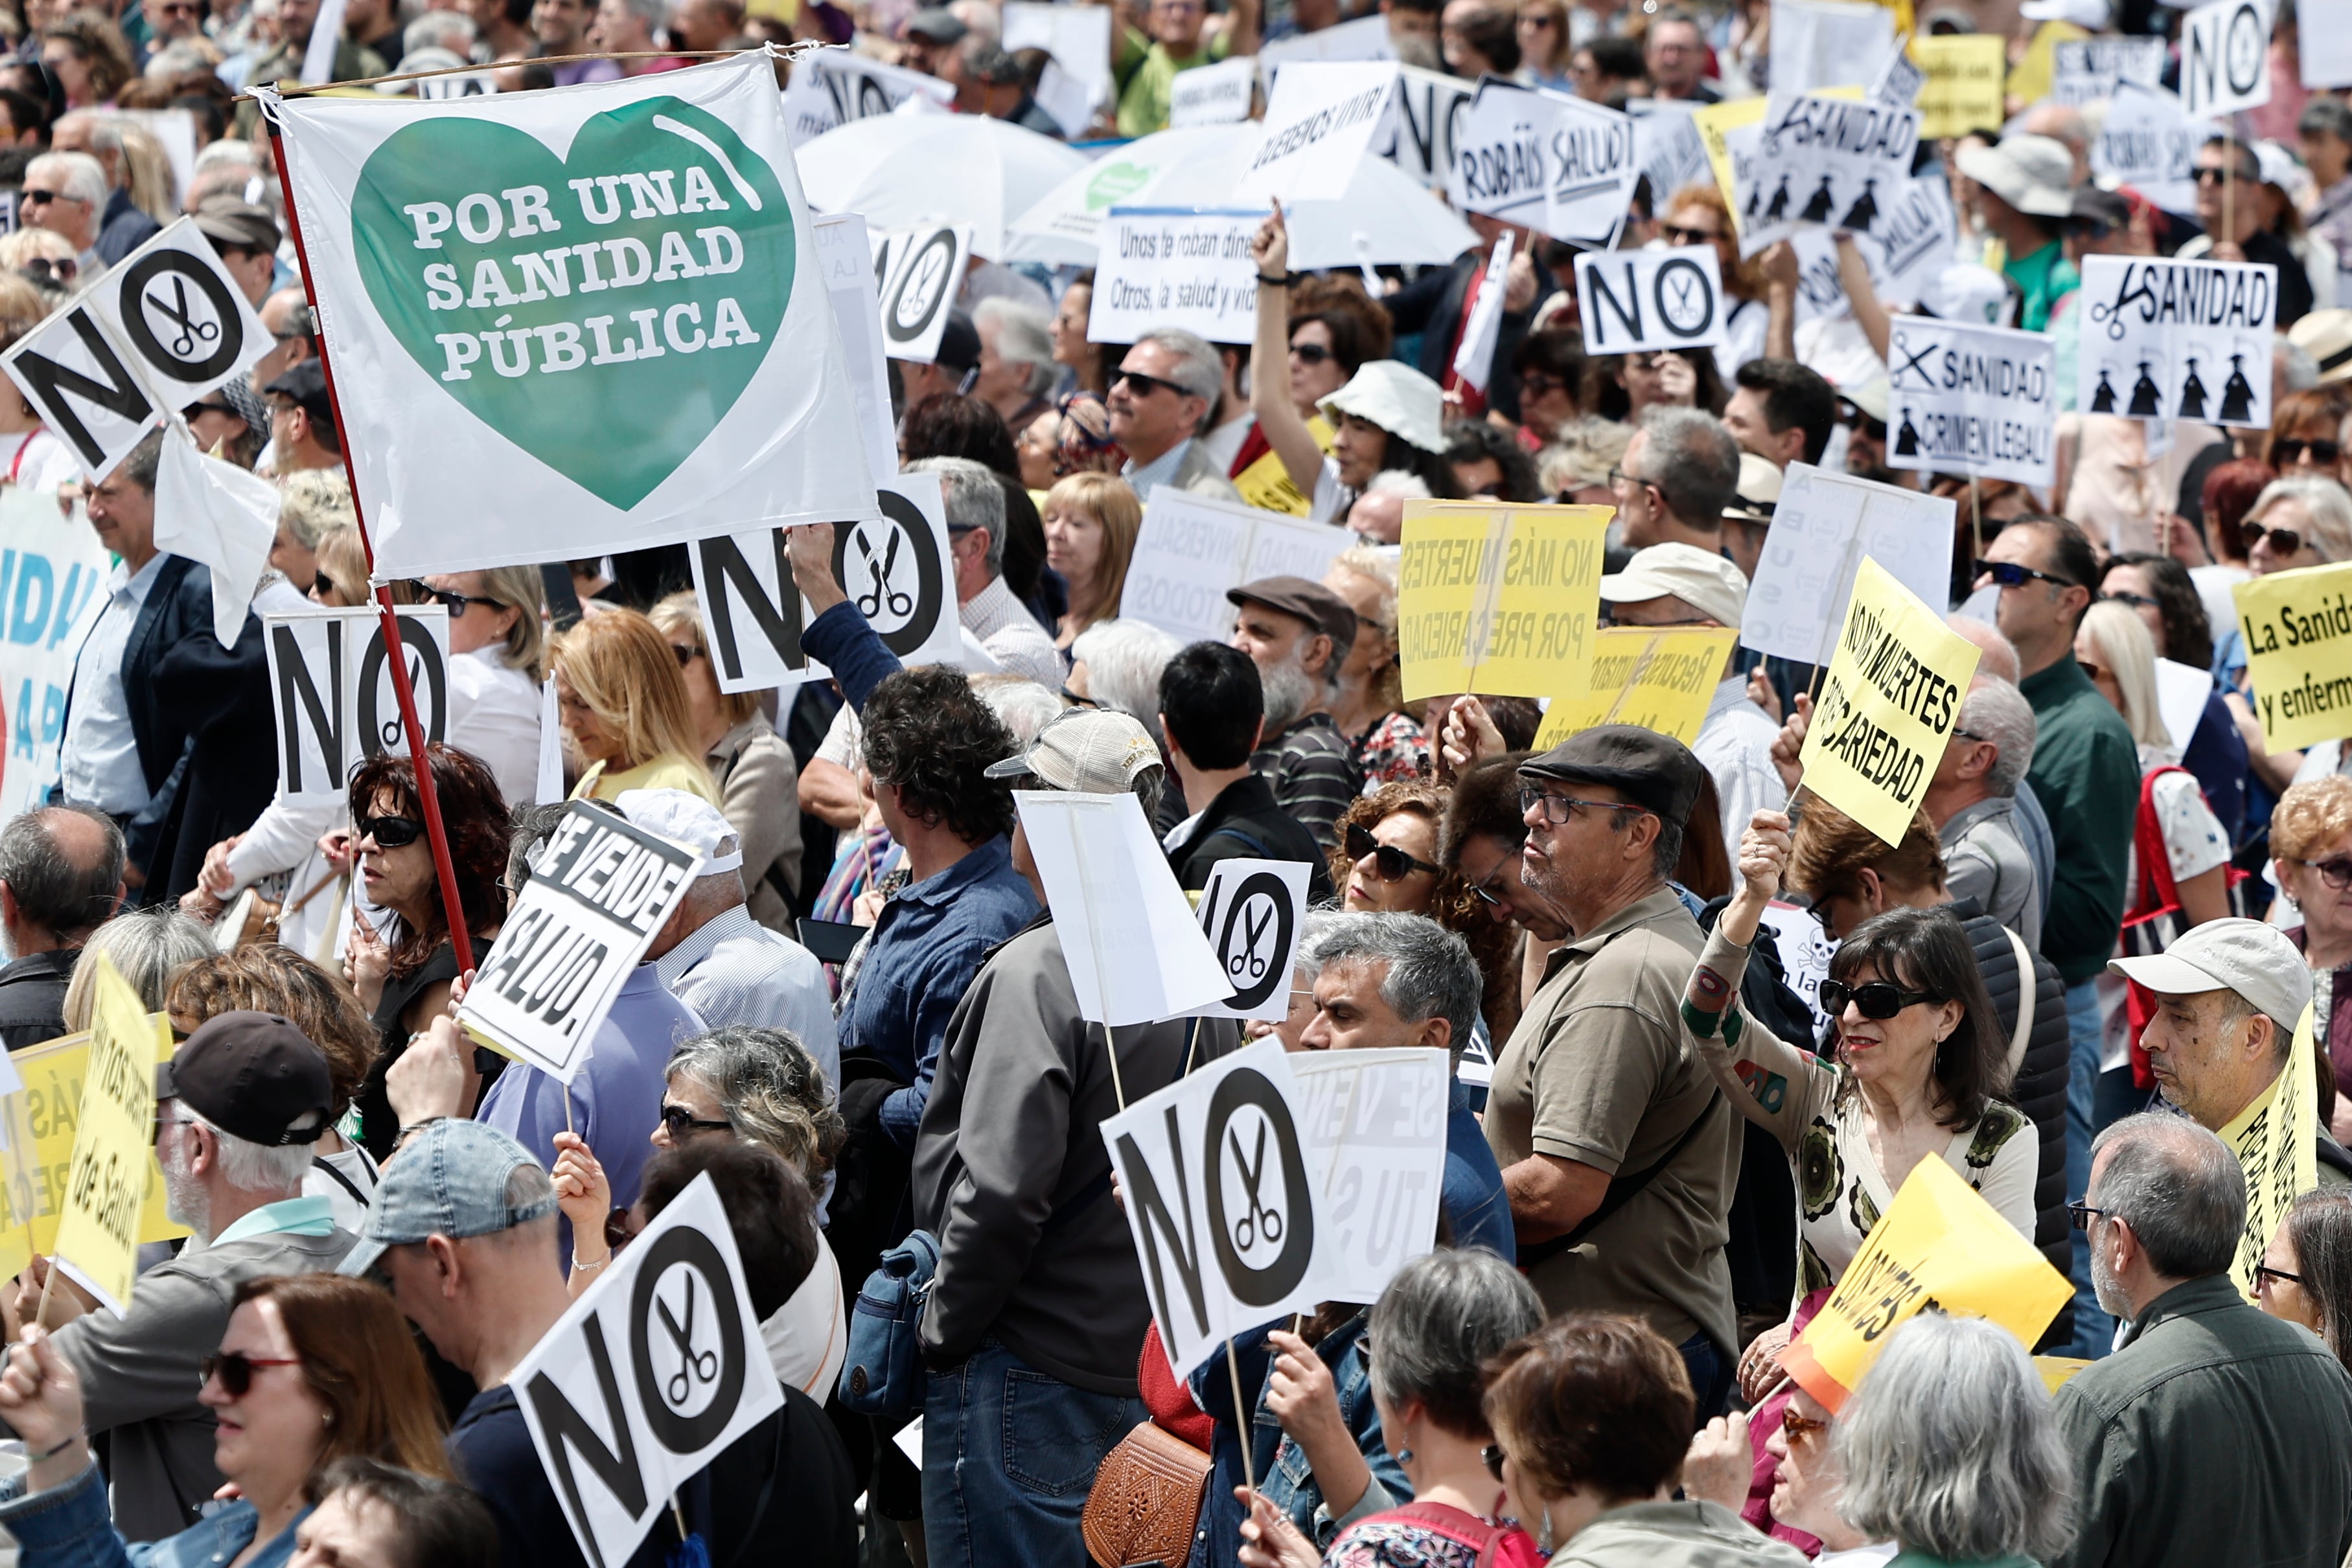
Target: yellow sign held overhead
(1888, 706)
(98, 1233)
(1964, 76)
(1661, 679)
(1498, 599)
(2298, 632)
(53, 1073)
(1939, 1244)
(2276, 1140)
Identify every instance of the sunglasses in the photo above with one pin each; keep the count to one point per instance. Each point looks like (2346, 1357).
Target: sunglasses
(2336, 873)
(36, 198)
(2284, 541)
(1558, 808)
(2287, 450)
(1309, 354)
(681, 1121)
(1878, 999)
(235, 1370)
(2215, 176)
(686, 656)
(321, 585)
(2009, 574)
(2264, 1274)
(1390, 863)
(1799, 1426)
(1674, 234)
(391, 832)
(1145, 384)
(2079, 1213)
(459, 602)
(49, 268)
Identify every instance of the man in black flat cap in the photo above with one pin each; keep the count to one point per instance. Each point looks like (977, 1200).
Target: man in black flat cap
(237, 1111)
(1297, 633)
(1619, 1154)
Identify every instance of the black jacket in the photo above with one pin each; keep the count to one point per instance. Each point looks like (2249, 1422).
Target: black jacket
(1245, 822)
(2039, 1088)
(33, 998)
(1432, 304)
(205, 732)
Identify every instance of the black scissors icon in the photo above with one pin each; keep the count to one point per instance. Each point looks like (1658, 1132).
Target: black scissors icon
(883, 592)
(693, 1366)
(192, 331)
(1249, 964)
(1260, 1221)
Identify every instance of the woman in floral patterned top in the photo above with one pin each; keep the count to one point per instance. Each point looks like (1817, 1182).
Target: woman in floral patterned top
(1919, 1065)
(1386, 746)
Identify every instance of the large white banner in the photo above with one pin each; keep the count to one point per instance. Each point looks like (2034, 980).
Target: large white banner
(564, 324)
(332, 685)
(1966, 399)
(1193, 548)
(599, 891)
(1824, 527)
(654, 1371)
(1170, 267)
(1319, 119)
(2177, 340)
(830, 87)
(52, 575)
(2225, 58)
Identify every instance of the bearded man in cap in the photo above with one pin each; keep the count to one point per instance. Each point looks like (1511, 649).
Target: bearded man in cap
(237, 1111)
(1618, 1153)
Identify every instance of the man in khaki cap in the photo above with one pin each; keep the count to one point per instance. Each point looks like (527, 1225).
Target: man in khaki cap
(1680, 586)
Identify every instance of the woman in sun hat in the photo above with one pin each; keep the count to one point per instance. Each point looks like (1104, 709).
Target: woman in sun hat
(1388, 415)
(2025, 191)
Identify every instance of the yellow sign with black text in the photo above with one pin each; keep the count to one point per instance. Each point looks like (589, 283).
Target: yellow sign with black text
(2276, 1140)
(2298, 632)
(1501, 600)
(1660, 678)
(1887, 707)
(114, 1150)
(1966, 73)
(53, 1073)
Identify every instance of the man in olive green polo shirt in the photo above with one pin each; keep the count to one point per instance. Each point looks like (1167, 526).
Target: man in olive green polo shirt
(1619, 1154)
(1145, 63)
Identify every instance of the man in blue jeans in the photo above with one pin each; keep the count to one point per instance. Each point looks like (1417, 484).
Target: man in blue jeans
(1037, 1310)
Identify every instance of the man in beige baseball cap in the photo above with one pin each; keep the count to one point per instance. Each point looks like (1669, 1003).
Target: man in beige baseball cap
(1681, 586)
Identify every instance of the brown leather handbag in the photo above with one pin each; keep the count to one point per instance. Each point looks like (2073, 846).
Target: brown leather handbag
(1146, 1501)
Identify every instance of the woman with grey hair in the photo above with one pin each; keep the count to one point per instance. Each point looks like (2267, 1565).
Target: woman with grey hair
(1016, 359)
(1950, 1448)
(146, 947)
(1117, 664)
(1429, 1339)
(312, 503)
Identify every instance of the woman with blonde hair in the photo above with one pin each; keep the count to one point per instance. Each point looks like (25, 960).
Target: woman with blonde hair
(1091, 523)
(757, 775)
(312, 503)
(339, 571)
(624, 702)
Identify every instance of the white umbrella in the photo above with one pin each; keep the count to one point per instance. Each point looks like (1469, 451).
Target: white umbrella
(902, 170)
(1396, 221)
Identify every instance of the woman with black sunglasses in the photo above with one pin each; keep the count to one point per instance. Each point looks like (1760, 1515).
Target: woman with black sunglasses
(1384, 860)
(1917, 1065)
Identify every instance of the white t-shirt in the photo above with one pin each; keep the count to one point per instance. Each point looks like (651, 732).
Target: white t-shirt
(494, 714)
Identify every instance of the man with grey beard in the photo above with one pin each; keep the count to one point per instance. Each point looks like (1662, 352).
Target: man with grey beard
(1298, 633)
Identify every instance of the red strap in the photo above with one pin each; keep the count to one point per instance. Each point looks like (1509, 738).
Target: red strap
(2156, 890)
(16, 464)
(1254, 446)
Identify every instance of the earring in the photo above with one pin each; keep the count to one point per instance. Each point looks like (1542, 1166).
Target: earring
(1543, 1542)
(1404, 1456)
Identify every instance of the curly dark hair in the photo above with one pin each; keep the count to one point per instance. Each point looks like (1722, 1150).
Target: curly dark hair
(950, 424)
(2187, 633)
(1360, 329)
(928, 735)
(473, 814)
(1475, 441)
(1451, 904)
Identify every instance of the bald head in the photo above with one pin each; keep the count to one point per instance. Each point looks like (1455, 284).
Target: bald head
(1996, 656)
(1378, 517)
(61, 876)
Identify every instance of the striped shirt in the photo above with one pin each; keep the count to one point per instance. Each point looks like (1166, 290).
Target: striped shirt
(1313, 776)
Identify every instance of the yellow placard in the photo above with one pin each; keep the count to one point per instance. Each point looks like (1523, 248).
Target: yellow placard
(1938, 1242)
(114, 1149)
(2031, 81)
(1717, 121)
(1963, 90)
(53, 1074)
(2057, 1371)
(1498, 599)
(2276, 1140)
(1888, 706)
(2298, 634)
(1659, 677)
(1265, 483)
(17, 1186)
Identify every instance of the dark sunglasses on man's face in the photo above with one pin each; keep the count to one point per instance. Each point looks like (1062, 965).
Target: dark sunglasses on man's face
(2009, 574)
(1145, 386)
(1390, 863)
(390, 832)
(235, 1370)
(2324, 454)
(1877, 999)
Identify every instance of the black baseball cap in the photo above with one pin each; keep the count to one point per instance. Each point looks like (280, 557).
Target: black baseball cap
(1656, 773)
(253, 1075)
(959, 342)
(305, 384)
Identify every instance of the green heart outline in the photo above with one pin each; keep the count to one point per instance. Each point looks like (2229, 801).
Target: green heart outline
(618, 430)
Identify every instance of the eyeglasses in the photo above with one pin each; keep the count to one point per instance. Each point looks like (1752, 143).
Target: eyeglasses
(390, 832)
(2336, 873)
(1960, 734)
(2009, 574)
(1493, 1455)
(2284, 541)
(685, 655)
(2215, 176)
(1558, 808)
(2323, 453)
(2136, 601)
(1797, 1425)
(2264, 1274)
(51, 268)
(1485, 889)
(681, 1121)
(321, 585)
(1537, 384)
(457, 602)
(33, 197)
(163, 1121)
(1146, 384)
(1390, 863)
(2079, 1213)
(235, 1370)
(1674, 234)
(1607, 619)
(1878, 999)
(1309, 354)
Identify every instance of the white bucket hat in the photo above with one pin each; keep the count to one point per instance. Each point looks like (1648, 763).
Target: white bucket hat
(2033, 173)
(1396, 397)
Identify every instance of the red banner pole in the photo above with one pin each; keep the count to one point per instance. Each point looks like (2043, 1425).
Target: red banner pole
(428, 800)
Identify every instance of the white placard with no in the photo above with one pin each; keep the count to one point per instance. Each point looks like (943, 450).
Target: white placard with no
(1634, 301)
(1254, 912)
(1167, 266)
(2165, 339)
(1193, 548)
(1429, 108)
(1965, 399)
(1319, 120)
(1223, 1204)
(918, 273)
(1135, 953)
(654, 1371)
(599, 891)
(1824, 527)
(2225, 58)
(332, 685)
(1374, 1125)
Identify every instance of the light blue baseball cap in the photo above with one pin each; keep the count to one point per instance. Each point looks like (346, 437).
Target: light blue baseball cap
(449, 1180)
